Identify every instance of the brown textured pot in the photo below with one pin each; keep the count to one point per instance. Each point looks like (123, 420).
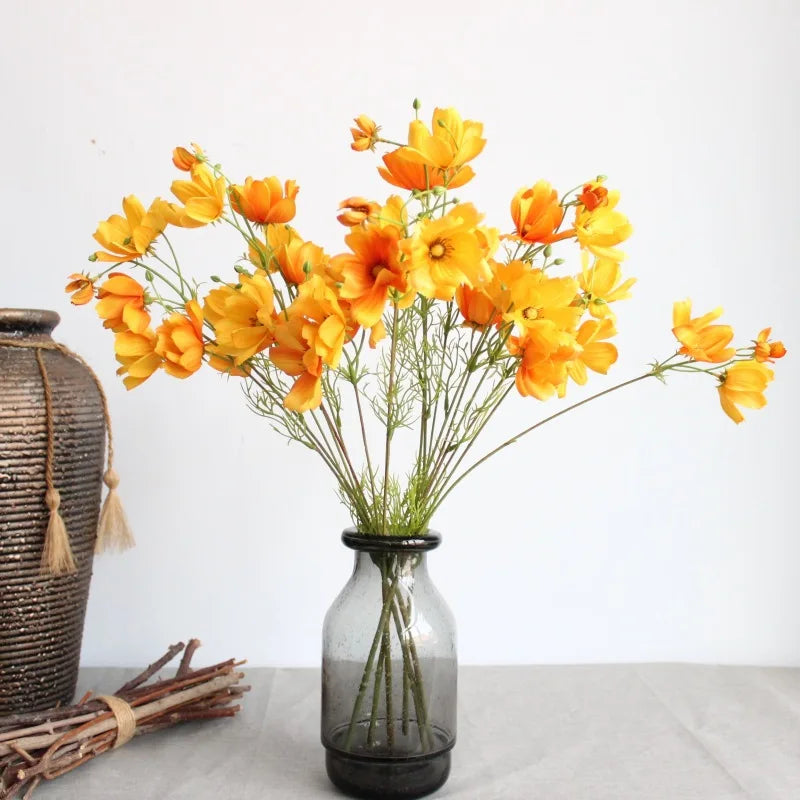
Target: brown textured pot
(41, 618)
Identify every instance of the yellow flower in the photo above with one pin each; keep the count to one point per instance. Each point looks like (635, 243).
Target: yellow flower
(448, 252)
(764, 350)
(743, 384)
(371, 271)
(601, 285)
(243, 317)
(185, 159)
(357, 210)
(594, 353)
(400, 171)
(203, 198)
(538, 300)
(295, 258)
(452, 144)
(599, 226)
(324, 322)
(137, 354)
(265, 201)
(537, 214)
(121, 304)
(82, 288)
(180, 341)
(365, 134)
(699, 339)
(293, 355)
(129, 237)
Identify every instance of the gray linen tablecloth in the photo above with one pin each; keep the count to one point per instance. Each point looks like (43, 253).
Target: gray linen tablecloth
(616, 732)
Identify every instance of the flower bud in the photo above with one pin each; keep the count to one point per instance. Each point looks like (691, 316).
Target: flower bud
(548, 251)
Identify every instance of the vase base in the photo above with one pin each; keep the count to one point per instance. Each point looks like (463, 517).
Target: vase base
(387, 778)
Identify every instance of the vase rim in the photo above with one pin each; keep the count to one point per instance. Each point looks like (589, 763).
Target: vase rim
(28, 321)
(367, 542)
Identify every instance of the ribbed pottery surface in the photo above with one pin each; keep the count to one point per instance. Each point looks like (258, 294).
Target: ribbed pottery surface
(41, 618)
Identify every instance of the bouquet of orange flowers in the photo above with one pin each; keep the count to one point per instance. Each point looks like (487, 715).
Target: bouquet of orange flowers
(426, 320)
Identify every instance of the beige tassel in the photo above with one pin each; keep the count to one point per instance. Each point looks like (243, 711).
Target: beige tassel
(113, 530)
(57, 558)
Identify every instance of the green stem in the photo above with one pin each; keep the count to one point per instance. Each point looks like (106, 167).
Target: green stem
(389, 428)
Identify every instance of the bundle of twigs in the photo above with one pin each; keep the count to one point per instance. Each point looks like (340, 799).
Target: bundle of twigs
(42, 745)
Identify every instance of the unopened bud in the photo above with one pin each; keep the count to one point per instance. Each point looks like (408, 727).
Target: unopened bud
(216, 279)
(241, 270)
(601, 178)
(148, 275)
(416, 105)
(558, 261)
(93, 257)
(548, 251)
(439, 190)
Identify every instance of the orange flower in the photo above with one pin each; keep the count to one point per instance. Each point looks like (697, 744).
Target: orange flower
(477, 307)
(405, 173)
(594, 353)
(121, 304)
(137, 354)
(265, 201)
(129, 237)
(593, 195)
(371, 271)
(699, 339)
(295, 258)
(243, 317)
(292, 354)
(538, 300)
(203, 198)
(184, 159)
(82, 287)
(545, 353)
(365, 134)
(448, 252)
(180, 341)
(537, 214)
(358, 210)
(764, 350)
(743, 384)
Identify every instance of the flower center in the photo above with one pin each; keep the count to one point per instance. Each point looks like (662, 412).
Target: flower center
(531, 313)
(437, 250)
(377, 269)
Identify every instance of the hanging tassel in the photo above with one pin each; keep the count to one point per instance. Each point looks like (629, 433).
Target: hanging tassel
(113, 530)
(57, 558)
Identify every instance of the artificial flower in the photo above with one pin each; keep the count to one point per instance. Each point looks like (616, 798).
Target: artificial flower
(295, 258)
(537, 215)
(180, 341)
(594, 353)
(243, 317)
(129, 237)
(137, 354)
(356, 210)
(203, 197)
(371, 271)
(545, 353)
(538, 299)
(447, 252)
(602, 285)
(121, 303)
(765, 350)
(699, 339)
(405, 173)
(293, 355)
(185, 159)
(265, 201)
(476, 307)
(82, 288)
(599, 227)
(324, 323)
(365, 134)
(743, 384)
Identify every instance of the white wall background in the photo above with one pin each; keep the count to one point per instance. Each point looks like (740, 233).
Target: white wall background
(645, 527)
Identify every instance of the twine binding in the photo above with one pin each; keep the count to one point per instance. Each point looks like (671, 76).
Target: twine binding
(124, 716)
(113, 530)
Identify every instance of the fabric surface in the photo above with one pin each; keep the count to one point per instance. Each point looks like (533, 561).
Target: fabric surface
(615, 732)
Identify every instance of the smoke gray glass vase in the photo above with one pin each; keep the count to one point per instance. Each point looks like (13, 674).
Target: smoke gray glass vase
(389, 672)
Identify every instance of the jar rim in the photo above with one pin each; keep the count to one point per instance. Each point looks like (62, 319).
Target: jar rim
(28, 320)
(370, 543)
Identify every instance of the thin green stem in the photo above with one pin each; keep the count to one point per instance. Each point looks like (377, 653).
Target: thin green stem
(389, 422)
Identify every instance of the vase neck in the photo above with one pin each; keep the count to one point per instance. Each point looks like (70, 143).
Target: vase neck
(391, 563)
(27, 324)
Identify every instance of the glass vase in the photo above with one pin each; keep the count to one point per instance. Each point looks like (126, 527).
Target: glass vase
(389, 673)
